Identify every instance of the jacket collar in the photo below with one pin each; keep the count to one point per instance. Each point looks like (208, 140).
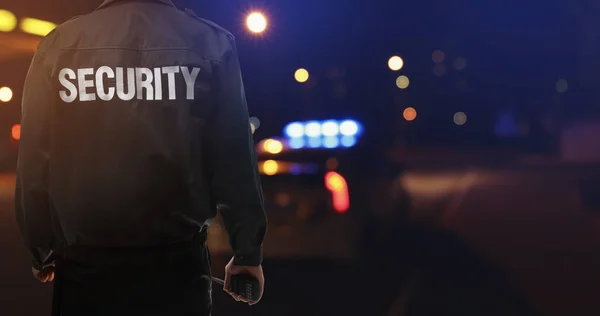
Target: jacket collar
(109, 2)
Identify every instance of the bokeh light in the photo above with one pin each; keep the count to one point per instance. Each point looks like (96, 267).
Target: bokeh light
(460, 118)
(460, 63)
(349, 128)
(273, 146)
(330, 128)
(439, 69)
(37, 27)
(562, 85)
(402, 82)
(301, 75)
(331, 142)
(314, 142)
(332, 163)
(409, 114)
(8, 21)
(294, 130)
(296, 143)
(270, 167)
(312, 129)
(348, 141)
(256, 22)
(16, 132)
(254, 124)
(395, 63)
(6, 94)
(438, 56)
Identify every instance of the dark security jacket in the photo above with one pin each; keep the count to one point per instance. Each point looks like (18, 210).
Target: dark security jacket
(134, 131)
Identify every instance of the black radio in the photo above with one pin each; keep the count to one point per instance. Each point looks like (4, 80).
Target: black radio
(244, 285)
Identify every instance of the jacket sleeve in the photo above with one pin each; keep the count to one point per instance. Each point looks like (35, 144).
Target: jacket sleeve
(231, 163)
(31, 194)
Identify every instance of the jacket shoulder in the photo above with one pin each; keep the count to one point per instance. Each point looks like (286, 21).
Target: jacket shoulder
(72, 19)
(66, 23)
(49, 39)
(210, 23)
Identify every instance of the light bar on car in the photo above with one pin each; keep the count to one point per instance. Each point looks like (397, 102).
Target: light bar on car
(322, 134)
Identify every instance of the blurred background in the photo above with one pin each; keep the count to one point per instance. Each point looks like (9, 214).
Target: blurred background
(418, 158)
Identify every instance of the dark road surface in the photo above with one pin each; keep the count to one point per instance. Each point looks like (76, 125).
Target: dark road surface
(538, 227)
(541, 234)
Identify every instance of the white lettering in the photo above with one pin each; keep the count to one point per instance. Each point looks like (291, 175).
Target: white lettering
(100, 91)
(190, 80)
(63, 76)
(157, 84)
(143, 80)
(84, 84)
(170, 72)
(125, 96)
(126, 83)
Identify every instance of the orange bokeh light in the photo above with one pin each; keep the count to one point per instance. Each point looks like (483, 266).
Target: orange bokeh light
(409, 114)
(16, 131)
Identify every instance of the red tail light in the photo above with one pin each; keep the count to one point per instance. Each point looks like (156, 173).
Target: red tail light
(16, 132)
(338, 187)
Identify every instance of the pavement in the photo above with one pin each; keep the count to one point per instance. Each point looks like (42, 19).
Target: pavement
(537, 225)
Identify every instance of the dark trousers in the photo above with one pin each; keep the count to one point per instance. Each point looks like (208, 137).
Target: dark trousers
(169, 281)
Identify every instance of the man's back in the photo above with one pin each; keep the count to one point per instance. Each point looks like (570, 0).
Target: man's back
(145, 26)
(134, 131)
(136, 84)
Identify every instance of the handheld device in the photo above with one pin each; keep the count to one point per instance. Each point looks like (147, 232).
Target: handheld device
(244, 285)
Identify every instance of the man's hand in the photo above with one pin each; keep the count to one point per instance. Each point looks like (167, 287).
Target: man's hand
(47, 275)
(257, 272)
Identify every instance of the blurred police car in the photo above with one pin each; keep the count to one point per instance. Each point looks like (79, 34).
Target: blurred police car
(307, 178)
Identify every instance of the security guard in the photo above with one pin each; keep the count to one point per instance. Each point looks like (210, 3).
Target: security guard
(135, 131)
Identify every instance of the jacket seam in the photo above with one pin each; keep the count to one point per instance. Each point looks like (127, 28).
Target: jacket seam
(143, 50)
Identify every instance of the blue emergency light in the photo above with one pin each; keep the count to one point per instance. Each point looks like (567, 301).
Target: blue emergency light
(322, 134)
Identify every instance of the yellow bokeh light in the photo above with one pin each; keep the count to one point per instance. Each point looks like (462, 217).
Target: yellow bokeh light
(301, 75)
(256, 22)
(270, 167)
(409, 114)
(273, 146)
(6, 94)
(395, 63)
(8, 21)
(402, 82)
(37, 27)
(336, 182)
(460, 118)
